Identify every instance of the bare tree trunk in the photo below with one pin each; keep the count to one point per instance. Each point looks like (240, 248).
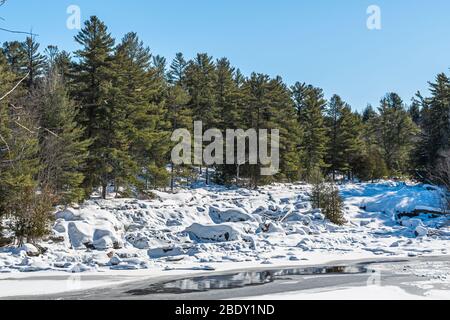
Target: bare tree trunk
(172, 182)
(104, 187)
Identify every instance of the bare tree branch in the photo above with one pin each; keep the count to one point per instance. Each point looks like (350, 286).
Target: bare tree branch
(49, 131)
(23, 127)
(15, 87)
(7, 147)
(2, 2)
(19, 32)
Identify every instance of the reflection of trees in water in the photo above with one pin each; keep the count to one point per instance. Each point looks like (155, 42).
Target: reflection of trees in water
(242, 279)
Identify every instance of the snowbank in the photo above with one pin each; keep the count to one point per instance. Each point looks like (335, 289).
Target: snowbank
(275, 224)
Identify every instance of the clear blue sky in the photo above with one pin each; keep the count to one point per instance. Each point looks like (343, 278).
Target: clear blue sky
(322, 42)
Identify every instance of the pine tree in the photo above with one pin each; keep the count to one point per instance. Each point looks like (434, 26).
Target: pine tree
(179, 117)
(160, 64)
(6, 83)
(310, 105)
(228, 100)
(256, 113)
(414, 111)
(26, 204)
(336, 153)
(59, 61)
(177, 70)
(63, 151)
(141, 126)
(268, 106)
(34, 61)
(291, 134)
(435, 124)
(200, 82)
(395, 133)
(368, 114)
(15, 57)
(344, 137)
(93, 78)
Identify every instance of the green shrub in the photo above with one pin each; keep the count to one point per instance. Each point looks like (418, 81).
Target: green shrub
(31, 214)
(326, 196)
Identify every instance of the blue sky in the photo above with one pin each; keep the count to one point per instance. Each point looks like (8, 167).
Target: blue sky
(322, 42)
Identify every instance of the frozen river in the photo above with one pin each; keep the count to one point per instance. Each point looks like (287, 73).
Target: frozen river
(411, 278)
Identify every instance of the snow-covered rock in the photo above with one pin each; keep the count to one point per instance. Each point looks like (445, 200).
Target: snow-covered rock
(213, 233)
(157, 253)
(411, 223)
(421, 231)
(229, 215)
(271, 227)
(68, 215)
(208, 224)
(298, 217)
(29, 249)
(80, 234)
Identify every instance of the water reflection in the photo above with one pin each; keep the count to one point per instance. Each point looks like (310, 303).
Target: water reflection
(239, 280)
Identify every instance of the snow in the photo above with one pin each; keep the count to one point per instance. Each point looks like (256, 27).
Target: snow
(213, 233)
(355, 293)
(225, 228)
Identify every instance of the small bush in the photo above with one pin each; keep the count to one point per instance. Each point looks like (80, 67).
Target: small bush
(31, 214)
(326, 196)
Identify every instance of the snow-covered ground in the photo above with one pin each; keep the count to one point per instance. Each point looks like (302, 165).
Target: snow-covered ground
(355, 293)
(214, 228)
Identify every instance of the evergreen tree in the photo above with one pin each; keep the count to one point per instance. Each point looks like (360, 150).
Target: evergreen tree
(62, 149)
(395, 133)
(93, 77)
(344, 137)
(200, 80)
(179, 117)
(200, 83)
(310, 105)
(368, 114)
(28, 206)
(414, 111)
(15, 57)
(256, 114)
(228, 100)
(291, 134)
(177, 70)
(435, 135)
(34, 61)
(141, 126)
(268, 106)
(160, 65)
(59, 61)
(336, 154)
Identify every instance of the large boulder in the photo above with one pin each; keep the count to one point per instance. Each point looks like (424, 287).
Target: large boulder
(30, 249)
(80, 234)
(212, 233)
(229, 215)
(100, 237)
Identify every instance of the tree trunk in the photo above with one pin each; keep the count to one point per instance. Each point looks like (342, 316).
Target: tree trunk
(104, 187)
(172, 182)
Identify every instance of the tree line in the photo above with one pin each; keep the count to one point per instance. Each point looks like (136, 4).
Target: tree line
(102, 117)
